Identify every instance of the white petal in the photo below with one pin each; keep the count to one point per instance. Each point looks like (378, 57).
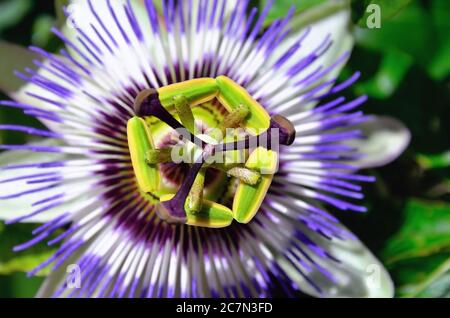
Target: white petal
(21, 95)
(387, 138)
(16, 207)
(80, 16)
(337, 26)
(57, 277)
(359, 273)
(51, 283)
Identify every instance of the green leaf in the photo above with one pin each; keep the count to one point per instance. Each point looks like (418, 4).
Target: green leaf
(42, 30)
(424, 232)
(25, 263)
(12, 58)
(434, 161)
(313, 13)
(440, 189)
(18, 285)
(423, 276)
(13, 262)
(280, 8)
(12, 11)
(393, 68)
(396, 34)
(439, 65)
(418, 256)
(439, 288)
(389, 9)
(428, 47)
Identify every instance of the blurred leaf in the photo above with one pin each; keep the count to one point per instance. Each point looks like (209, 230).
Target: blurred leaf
(12, 11)
(12, 58)
(393, 68)
(10, 261)
(280, 8)
(439, 65)
(436, 161)
(440, 189)
(430, 41)
(313, 13)
(439, 288)
(389, 9)
(423, 277)
(25, 263)
(396, 34)
(19, 285)
(42, 30)
(424, 232)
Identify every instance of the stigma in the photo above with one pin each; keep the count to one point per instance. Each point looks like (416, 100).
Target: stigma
(257, 143)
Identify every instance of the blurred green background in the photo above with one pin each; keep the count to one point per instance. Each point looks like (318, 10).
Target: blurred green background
(405, 66)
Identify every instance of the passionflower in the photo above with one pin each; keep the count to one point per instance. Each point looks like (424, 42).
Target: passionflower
(137, 223)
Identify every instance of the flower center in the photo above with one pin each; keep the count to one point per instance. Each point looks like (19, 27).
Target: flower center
(218, 164)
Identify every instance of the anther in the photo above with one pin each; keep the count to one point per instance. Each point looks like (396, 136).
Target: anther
(156, 156)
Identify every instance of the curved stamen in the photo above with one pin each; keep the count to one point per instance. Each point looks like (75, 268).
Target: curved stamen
(172, 211)
(147, 104)
(278, 124)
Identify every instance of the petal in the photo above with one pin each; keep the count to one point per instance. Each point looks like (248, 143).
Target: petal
(337, 26)
(59, 276)
(305, 65)
(13, 180)
(386, 139)
(356, 271)
(51, 282)
(23, 91)
(79, 14)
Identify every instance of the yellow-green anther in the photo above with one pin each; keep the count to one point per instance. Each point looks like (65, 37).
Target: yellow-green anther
(184, 111)
(232, 120)
(212, 215)
(155, 156)
(248, 198)
(245, 175)
(232, 96)
(235, 118)
(195, 198)
(140, 142)
(196, 91)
